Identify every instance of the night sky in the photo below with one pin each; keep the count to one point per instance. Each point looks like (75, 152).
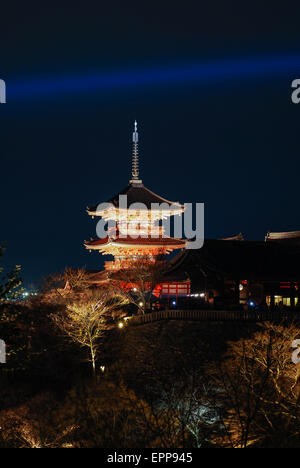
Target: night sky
(210, 86)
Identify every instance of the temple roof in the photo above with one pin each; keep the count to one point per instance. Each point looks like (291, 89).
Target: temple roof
(270, 261)
(140, 241)
(137, 193)
(96, 276)
(238, 237)
(290, 236)
(102, 276)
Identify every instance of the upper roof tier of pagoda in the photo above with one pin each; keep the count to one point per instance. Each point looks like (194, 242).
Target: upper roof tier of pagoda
(138, 193)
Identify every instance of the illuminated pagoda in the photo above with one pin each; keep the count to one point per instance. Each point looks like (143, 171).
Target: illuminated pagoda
(135, 230)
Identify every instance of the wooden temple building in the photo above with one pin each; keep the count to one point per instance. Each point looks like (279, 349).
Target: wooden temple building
(236, 272)
(224, 273)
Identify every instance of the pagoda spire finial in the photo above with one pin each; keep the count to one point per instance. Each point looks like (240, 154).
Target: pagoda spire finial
(135, 171)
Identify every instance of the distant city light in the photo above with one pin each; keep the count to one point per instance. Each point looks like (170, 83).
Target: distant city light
(197, 295)
(121, 325)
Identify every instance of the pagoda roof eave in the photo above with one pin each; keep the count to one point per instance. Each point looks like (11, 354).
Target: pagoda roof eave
(140, 243)
(138, 193)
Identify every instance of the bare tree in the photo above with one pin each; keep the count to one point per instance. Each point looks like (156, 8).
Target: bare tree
(138, 282)
(52, 287)
(61, 285)
(77, 279)
(258, 390)
(87, 318)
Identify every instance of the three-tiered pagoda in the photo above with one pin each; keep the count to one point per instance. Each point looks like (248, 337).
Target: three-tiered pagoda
(137, 232)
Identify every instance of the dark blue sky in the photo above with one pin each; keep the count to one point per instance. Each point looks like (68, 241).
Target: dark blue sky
(209, 84)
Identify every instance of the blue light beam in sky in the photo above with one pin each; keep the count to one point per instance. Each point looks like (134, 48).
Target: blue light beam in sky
(202, 73)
